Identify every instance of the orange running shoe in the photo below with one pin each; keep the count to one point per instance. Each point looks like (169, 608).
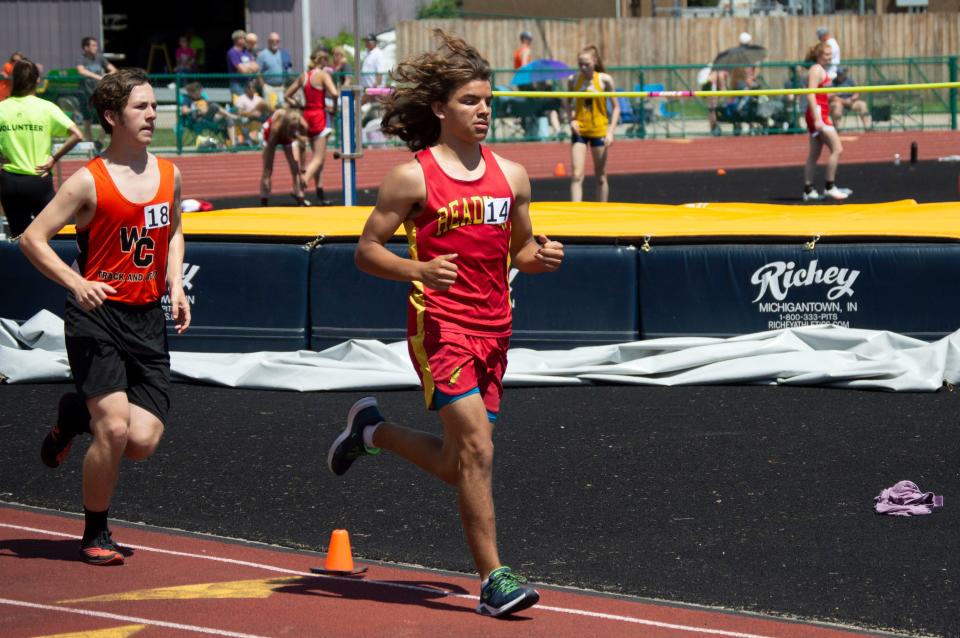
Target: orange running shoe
(101, 550)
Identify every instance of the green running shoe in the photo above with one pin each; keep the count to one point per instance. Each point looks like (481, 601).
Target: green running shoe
(504, 592)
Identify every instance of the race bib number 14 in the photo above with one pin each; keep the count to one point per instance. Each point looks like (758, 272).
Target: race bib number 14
(496, 210)
(156, 216)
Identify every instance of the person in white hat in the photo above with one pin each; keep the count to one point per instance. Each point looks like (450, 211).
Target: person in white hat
(823, 34)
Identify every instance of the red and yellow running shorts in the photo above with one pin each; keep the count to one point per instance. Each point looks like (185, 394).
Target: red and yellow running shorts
(455, 363)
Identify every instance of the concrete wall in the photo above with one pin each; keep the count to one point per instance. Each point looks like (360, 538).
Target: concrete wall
(48, 31)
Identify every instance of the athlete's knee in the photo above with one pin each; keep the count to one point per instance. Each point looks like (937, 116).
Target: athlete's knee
(476, 453)
(111, 432)
(140, 450)
(143, 440)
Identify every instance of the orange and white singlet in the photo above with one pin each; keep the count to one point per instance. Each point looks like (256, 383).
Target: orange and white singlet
(125, 245)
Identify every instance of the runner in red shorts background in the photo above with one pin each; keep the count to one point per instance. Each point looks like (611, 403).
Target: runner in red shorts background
(821, 130)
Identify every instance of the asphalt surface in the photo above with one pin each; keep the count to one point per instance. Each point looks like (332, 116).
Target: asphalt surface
(927, 181)
(755, 498)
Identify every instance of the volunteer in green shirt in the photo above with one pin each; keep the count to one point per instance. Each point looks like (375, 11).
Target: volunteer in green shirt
(28, 125)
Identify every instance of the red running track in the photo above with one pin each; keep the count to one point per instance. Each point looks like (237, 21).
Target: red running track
(211, 176)
(175, 584)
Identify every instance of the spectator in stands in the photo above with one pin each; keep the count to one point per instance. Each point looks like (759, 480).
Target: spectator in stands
(590, 124)
(371, 70)
(7, 72)
(92, 66)
(274, 62)
(202, 114)
(253, 111)
(743, 110)
(711, 79)
(240, 62)
(185, 58)
(252, 46)
(523, 55)
(199, 46)
(27, 127)
(342, 68)
(823, 34)
(285, 128)
(839, 102)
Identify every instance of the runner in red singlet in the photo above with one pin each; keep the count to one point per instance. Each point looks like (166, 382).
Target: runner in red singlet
(465, 211)
(127, 210)
(822, 132)
(284, 128)
(318, 90)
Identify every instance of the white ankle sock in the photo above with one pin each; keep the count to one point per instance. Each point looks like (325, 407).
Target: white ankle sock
(368, 434)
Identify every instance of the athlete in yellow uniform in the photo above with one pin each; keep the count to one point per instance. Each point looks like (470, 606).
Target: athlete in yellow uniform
(591, 124)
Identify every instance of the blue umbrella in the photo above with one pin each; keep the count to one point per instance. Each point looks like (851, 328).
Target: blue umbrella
(541, 71)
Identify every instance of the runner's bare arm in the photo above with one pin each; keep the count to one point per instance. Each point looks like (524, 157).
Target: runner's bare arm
(291, 91)
(179, 304)
(402, 193)
(526, 255)
(76, 199)
(814, 78)
(330, 87)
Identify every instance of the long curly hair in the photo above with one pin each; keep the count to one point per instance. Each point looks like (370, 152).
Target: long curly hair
(428, 78)
(814, 52)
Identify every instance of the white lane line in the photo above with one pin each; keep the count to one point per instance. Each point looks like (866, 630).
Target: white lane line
(429, 590)
(129, 619)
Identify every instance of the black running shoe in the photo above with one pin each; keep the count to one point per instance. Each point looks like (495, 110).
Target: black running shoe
(101, 550)
(348, 447)
(56, 445)
(505, 593)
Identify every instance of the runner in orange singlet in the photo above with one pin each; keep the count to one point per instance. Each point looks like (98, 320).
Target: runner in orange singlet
(465, 211)
(127, 210)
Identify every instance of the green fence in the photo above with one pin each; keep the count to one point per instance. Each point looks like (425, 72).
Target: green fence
(184, 127)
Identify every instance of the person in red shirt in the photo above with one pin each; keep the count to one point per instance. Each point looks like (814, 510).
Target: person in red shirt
(523, 55)
(7, 73)
(465, 211)
(126, 205)
(821, 129)
(318, 89)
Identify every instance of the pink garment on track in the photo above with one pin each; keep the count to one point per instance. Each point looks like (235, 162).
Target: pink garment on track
(906, 499)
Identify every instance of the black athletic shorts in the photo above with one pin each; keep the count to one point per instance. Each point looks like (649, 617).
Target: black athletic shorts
(23, 197)
(120, 347)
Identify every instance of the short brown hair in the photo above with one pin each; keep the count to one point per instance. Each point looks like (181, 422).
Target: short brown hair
(424, 80)
(113, 91)
(24, 76)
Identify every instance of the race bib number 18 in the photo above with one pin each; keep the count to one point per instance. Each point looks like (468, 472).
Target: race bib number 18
(156, 216)
(496, 210)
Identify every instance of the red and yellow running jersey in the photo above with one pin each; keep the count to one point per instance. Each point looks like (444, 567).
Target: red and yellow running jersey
(125, 245)
(471, 219)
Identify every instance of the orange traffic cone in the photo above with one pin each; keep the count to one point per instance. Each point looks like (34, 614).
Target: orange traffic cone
(339, 557)
(560, 170)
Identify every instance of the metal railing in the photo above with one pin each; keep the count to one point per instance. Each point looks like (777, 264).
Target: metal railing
(185, 125)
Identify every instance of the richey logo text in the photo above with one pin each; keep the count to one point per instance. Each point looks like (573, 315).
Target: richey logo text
(778, 277)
